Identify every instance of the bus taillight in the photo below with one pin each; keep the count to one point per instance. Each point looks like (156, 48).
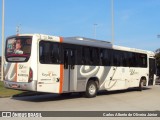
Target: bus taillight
(30, 75)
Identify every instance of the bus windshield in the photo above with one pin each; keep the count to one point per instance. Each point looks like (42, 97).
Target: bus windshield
(18, 49)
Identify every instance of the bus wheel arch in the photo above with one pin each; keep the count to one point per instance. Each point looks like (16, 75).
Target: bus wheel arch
(92, 87)
(142, 83)
(144, 80)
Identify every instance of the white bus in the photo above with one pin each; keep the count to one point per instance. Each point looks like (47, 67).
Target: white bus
(37, 62)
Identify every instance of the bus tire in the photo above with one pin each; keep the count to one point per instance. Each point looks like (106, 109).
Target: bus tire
(91, 89)
(140, 88)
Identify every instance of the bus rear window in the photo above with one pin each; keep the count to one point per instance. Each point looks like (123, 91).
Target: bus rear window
(18, 49)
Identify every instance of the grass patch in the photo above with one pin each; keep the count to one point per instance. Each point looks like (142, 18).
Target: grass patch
(4, 92)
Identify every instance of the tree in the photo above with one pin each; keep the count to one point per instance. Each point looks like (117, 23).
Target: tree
(157, 56)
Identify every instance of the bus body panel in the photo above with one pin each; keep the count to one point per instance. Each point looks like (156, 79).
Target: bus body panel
(110, 78)
(48, 78)
(68, 76)
(70, 80)
(18, 72)
(17, 76)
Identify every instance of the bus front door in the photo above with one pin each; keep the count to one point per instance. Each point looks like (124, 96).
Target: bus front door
(70, 70)
(152, 70)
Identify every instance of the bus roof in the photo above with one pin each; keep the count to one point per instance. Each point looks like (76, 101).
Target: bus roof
(102, 43)
(89, 42)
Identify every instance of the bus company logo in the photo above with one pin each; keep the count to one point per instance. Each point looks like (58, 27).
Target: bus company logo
(22, 66)
(23, 71)
(49, 74)
(50, 37)
(133, 72)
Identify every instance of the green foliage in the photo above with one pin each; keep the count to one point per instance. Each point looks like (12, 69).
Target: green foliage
(157, 57)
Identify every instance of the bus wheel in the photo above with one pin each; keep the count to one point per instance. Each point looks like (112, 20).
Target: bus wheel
(91, 89)
(140, 88)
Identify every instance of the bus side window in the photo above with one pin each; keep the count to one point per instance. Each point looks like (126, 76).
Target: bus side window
(55, 52)
(124, 59)
(49, 52)
(142, 60)
(116, 58)
(41, 54)
(94, 56)
(106, 57)
(73, 60)
(86, 56)
(130, 59)
(66, 59)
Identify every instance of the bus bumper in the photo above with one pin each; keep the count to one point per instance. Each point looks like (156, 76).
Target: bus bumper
(31, 86)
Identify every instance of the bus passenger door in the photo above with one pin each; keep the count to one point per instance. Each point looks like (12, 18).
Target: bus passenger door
(70, 70)
(152, 70)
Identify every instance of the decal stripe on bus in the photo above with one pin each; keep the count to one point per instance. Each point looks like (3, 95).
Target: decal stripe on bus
(61, 79)
(61, 73)
(16, 70)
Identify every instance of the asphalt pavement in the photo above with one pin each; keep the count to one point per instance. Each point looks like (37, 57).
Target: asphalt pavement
(123, 100)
